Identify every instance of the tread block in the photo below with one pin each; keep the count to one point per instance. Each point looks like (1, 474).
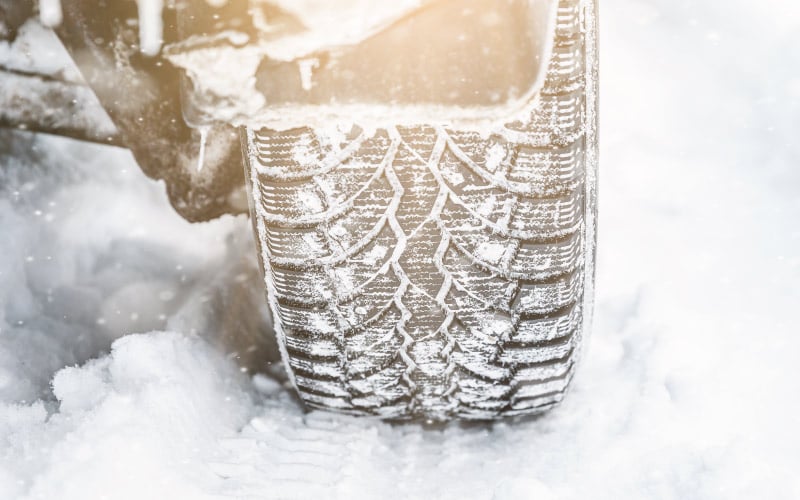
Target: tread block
(537, 298)
(524, 356)
(308, 287)
(548, 328)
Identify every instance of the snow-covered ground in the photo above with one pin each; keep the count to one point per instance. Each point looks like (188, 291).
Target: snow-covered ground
(126, 334)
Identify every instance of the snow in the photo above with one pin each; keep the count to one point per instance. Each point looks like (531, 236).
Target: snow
(690, 387)
(50, 12)
(491, 252)
(151, 26)
(494, 156)
(333, 24)
(229, 78)
(38, 49)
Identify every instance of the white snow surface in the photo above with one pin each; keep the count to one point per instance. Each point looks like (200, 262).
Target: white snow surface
(50, 12)
(114, 382)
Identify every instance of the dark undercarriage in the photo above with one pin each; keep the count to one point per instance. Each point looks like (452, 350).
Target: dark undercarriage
(102, 40)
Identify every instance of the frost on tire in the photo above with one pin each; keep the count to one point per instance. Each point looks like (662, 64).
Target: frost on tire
(427, 272)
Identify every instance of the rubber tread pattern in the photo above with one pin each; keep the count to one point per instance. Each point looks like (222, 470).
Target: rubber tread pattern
(430, 273)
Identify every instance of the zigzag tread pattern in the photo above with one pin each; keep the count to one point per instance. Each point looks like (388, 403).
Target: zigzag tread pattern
(429, 273)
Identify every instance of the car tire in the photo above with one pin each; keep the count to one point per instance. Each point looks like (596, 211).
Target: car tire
(430, 273)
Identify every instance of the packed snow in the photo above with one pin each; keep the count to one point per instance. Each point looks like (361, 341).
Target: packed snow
(50, 12)
(136, 359)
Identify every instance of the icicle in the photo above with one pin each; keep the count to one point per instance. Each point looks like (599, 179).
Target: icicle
(151, 26)
(307, 67)
(50, 13)
(203, 140)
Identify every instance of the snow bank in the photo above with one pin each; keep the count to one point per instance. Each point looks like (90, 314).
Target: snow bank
(690, 388)
(137, 423)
